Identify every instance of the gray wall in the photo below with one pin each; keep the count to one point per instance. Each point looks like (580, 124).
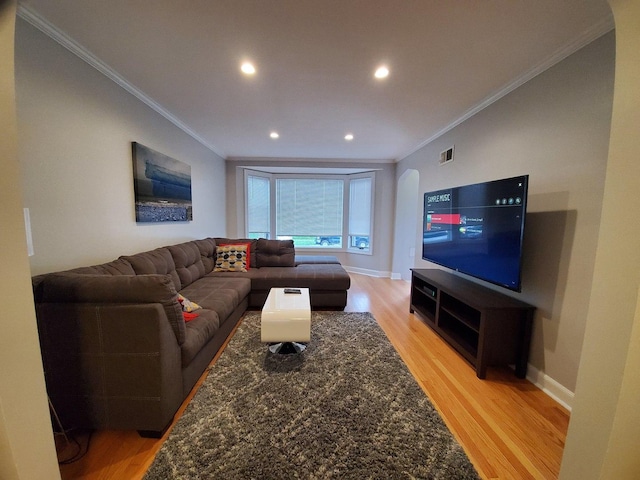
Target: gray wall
(379, 262)
(556, 129)
(75, 132)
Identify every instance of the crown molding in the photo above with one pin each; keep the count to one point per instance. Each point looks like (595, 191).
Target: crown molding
(588, 36)
(74, 47)
(24, 12)
(315, 160)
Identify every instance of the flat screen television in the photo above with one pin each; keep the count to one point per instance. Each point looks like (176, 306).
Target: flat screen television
(478, 229)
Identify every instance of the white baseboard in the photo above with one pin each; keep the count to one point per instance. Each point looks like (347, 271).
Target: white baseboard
(366, 271)
(544, 382)
(548, 385)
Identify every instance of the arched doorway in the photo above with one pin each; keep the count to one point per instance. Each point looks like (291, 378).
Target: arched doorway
(405, 231)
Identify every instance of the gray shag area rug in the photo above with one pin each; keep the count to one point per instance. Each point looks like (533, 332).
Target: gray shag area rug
(346, 407)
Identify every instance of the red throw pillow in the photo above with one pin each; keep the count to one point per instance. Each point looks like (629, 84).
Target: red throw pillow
(189, 316)
(248, 245)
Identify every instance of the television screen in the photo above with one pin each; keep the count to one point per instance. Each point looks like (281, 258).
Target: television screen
(478, 229)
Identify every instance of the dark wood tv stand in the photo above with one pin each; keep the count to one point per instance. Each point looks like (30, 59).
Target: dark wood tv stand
(485, 326)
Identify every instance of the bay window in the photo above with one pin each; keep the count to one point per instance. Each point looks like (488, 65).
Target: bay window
(316, 211)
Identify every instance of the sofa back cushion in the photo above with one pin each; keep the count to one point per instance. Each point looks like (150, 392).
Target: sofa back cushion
(188, 262)
(115, 267)
(207, 247)
(113, 290)
(275, 253)
(158, 261)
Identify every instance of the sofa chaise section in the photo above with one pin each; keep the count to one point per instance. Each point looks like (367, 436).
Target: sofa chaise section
(274, 264)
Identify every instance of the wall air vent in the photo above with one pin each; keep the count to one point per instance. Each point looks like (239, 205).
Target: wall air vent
(446, 156)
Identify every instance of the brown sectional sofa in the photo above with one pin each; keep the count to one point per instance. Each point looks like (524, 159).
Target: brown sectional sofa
(116, 349)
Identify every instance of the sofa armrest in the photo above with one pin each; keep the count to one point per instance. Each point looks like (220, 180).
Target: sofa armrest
(113, 366)
(116, 289)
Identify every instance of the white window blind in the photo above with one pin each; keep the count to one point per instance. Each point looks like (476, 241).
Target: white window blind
(309, 207)
(360, 207)
(258, 206)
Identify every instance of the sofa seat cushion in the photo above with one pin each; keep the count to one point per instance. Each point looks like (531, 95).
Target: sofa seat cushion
(220, 294)
(197, 333)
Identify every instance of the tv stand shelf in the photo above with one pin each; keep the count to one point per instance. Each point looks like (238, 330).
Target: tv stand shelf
(485, 326)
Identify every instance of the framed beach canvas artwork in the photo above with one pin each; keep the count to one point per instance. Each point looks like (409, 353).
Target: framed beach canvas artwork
(162, 187)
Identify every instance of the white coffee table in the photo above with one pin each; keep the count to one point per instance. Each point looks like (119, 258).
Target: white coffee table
(286, 320)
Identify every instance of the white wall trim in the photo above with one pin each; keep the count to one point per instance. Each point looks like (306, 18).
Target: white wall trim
(587, 37)
(74, 47)
(544, 382)
(548, 385)
(368, 272)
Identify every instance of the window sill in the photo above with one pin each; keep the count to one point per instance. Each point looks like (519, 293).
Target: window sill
(357, 251)
(328, 250)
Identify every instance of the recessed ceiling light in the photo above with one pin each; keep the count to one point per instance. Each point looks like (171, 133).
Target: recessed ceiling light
(248, 68)
(348, 137)
(382, 72)
(274, 135)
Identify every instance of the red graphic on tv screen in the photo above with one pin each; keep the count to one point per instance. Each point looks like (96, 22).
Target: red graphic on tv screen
(445, 218)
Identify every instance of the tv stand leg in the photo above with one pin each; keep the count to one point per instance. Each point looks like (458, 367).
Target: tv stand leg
(523, 350)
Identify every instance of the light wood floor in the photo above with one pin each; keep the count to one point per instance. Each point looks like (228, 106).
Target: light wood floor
(508, 427)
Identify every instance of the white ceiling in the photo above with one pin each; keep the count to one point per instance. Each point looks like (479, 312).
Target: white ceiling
(315, 61)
